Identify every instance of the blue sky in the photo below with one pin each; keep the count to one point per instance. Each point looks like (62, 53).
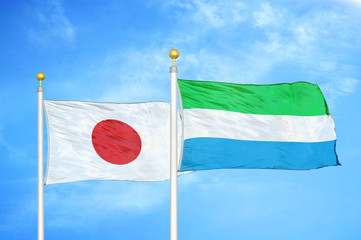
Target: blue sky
(117, 51)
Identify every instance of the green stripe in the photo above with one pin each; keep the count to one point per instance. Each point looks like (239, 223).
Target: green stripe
(298, 99)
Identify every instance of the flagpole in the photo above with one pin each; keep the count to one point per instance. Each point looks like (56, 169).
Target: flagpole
(40, 76)
(173, 148)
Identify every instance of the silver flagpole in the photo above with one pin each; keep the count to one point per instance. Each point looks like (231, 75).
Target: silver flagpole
(40, 76)
(173, 148)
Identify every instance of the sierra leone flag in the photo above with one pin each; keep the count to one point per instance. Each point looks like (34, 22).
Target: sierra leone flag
(280, 126)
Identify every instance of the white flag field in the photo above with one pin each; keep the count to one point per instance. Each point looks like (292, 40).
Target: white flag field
(108, 141)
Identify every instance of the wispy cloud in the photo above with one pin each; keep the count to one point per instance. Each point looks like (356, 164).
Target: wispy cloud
(347, 85)
(211, 14)
(353, 2)
(135, 76)
(247, 195)
(13, 151)
(267, 16)
(86, 204)
(339, 87)
(315, 42)
(17, 220)
(52, 23)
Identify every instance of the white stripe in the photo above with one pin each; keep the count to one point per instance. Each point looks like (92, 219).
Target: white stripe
(255, 127)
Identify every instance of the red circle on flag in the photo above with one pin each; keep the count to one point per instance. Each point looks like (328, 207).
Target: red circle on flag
(116, 142)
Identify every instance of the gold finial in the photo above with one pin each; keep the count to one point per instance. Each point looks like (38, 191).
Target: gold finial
(40, 76)
(173, 54)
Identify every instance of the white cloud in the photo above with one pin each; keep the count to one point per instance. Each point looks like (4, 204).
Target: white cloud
(306, 41)
(14, 222)
(304, 34)
(14, 151)
(215, 14)
(353, 2)
(88, 203)
(347, 85)
(339, 87)
(132, 76)
(268, 16)
(311, 42)
(52, 24)
(85, 204)
(246, 195)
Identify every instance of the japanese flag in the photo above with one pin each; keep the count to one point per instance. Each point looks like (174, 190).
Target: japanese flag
(108, 141)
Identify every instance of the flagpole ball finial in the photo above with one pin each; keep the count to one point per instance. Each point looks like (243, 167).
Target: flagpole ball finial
(173, 54)
(40, 76)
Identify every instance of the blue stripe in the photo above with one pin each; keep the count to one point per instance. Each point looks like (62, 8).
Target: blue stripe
(215, 153)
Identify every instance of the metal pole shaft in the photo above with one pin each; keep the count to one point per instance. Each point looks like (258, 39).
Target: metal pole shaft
(173, 155)
(40, 165)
